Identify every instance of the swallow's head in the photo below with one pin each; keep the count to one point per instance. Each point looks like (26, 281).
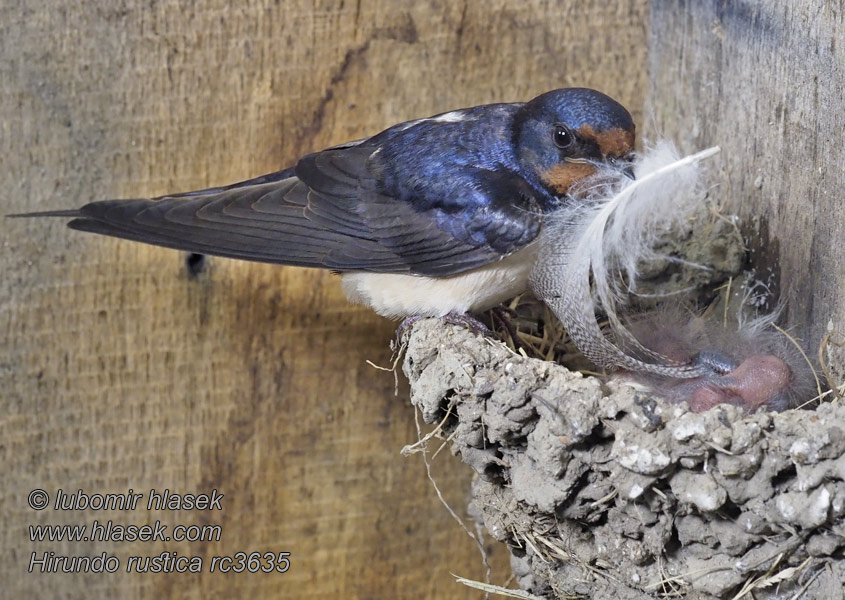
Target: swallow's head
(566, 135)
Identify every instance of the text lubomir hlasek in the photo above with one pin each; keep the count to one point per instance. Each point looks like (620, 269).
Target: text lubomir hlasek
(164, 500)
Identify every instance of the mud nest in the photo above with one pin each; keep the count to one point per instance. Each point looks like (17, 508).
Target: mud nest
(601, 491)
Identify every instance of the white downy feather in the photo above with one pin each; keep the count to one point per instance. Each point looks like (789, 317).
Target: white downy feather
(606, 233)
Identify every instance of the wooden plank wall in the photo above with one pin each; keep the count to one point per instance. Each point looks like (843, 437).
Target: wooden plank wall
(764, 80)
(119, 371)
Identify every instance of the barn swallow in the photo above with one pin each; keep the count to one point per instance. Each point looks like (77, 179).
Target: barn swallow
(429, 217)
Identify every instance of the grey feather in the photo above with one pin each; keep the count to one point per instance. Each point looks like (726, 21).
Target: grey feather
(605, 233)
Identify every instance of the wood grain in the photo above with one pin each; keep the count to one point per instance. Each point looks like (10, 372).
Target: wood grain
(118, 370)
(764, 81)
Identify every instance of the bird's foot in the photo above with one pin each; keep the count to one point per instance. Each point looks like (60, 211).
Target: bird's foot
(453, 318)
(468, 321)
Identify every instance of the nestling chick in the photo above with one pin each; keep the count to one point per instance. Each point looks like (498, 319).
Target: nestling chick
(750, 365)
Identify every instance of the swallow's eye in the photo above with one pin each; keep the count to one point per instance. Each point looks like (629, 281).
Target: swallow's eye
(562, 137)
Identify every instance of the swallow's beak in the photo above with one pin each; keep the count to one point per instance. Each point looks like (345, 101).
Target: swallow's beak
(612, 164)
(624, 165)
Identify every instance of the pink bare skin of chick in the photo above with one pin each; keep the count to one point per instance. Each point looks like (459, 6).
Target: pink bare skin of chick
(752, 367)
(759, 381)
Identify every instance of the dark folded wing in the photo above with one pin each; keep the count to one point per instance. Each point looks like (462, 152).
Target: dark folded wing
(330, 213)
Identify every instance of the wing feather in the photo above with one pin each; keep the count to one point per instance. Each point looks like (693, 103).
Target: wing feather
(330, 211)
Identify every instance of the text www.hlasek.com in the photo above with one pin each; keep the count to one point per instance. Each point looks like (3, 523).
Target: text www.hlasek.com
(101, 530)
(110, 532)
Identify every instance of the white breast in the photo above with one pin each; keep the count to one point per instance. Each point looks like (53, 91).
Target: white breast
(397, 295)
